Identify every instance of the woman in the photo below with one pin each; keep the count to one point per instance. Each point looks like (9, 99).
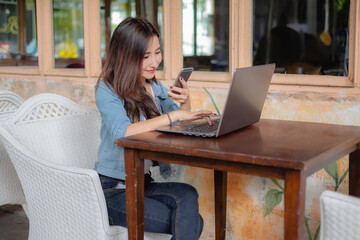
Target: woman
(131, 101)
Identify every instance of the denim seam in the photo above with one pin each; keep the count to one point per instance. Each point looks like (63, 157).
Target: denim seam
(177, 210)
(124, 212)
(109, 190)
(113, 208)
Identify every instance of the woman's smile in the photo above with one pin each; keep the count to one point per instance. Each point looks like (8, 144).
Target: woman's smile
(151, 70)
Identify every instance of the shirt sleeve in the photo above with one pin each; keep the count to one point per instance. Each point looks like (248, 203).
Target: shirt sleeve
(167, 104)
(112, 112)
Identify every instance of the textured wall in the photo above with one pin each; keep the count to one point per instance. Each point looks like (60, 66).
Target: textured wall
(246, 194)
(81, 92)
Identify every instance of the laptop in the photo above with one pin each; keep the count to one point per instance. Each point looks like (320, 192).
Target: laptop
(243, 106)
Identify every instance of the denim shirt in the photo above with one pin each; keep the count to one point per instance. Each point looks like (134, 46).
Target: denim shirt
(114, 124)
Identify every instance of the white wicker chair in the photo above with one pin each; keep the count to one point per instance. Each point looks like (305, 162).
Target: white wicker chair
(53, 144)
(57, 129)
(340, 216)
(10, 187)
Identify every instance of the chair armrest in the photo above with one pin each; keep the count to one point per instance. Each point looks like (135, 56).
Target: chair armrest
(340, 216)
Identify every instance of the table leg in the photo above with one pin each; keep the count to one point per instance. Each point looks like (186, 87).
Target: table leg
(294, 207)
(134, 170)
(354, 173)
(220, 178)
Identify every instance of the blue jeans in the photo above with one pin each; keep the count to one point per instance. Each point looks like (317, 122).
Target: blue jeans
(170, 208)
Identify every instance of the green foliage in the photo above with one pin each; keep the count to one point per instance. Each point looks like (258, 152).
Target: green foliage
(212, 100)
(333, 171)
(272, 198)
(277, 184)
(342, 178)
(339, 4)
(308, 228)
(316, 235)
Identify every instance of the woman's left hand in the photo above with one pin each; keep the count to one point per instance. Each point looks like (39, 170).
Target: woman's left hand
(180, 95)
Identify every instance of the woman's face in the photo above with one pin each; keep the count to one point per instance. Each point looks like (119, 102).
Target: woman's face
(152, 58)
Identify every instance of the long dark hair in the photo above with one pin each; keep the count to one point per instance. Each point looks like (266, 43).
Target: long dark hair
(122, 67)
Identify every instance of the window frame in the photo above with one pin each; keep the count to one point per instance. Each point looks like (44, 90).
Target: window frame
(47, 33)
(240, 44)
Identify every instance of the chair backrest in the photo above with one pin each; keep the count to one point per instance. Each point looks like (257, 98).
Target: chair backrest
(57, 129)
(9, 103)
(10, 187)
(340, 216)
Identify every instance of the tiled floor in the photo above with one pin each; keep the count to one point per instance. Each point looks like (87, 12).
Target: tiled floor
(14, 224)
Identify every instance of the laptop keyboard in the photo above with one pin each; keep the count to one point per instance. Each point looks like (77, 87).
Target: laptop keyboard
(205, 128)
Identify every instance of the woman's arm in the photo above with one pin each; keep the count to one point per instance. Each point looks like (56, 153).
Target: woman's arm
(178, 115)
(112, 111)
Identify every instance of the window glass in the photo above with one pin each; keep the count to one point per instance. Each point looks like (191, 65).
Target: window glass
(112, 12)
(302, 36)
(205, 35)
(68, 34)
(18, 38)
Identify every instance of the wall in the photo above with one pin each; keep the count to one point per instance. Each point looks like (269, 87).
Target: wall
(246, 194)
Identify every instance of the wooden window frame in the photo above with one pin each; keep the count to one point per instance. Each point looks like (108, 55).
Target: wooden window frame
(240, 44)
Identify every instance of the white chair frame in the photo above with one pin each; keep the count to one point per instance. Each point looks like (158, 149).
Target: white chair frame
(10, 187)
(340, 216)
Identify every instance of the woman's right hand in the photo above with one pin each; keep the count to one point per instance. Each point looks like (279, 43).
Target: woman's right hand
(182, 115)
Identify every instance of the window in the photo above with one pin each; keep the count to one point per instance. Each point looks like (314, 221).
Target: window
(68, 34)
(18, 38)
(302, 37)
(205, 35)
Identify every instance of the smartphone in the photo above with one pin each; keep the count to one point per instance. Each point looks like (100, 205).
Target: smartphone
(185, 74)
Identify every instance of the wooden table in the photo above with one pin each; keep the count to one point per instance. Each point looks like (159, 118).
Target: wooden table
(280, 149)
